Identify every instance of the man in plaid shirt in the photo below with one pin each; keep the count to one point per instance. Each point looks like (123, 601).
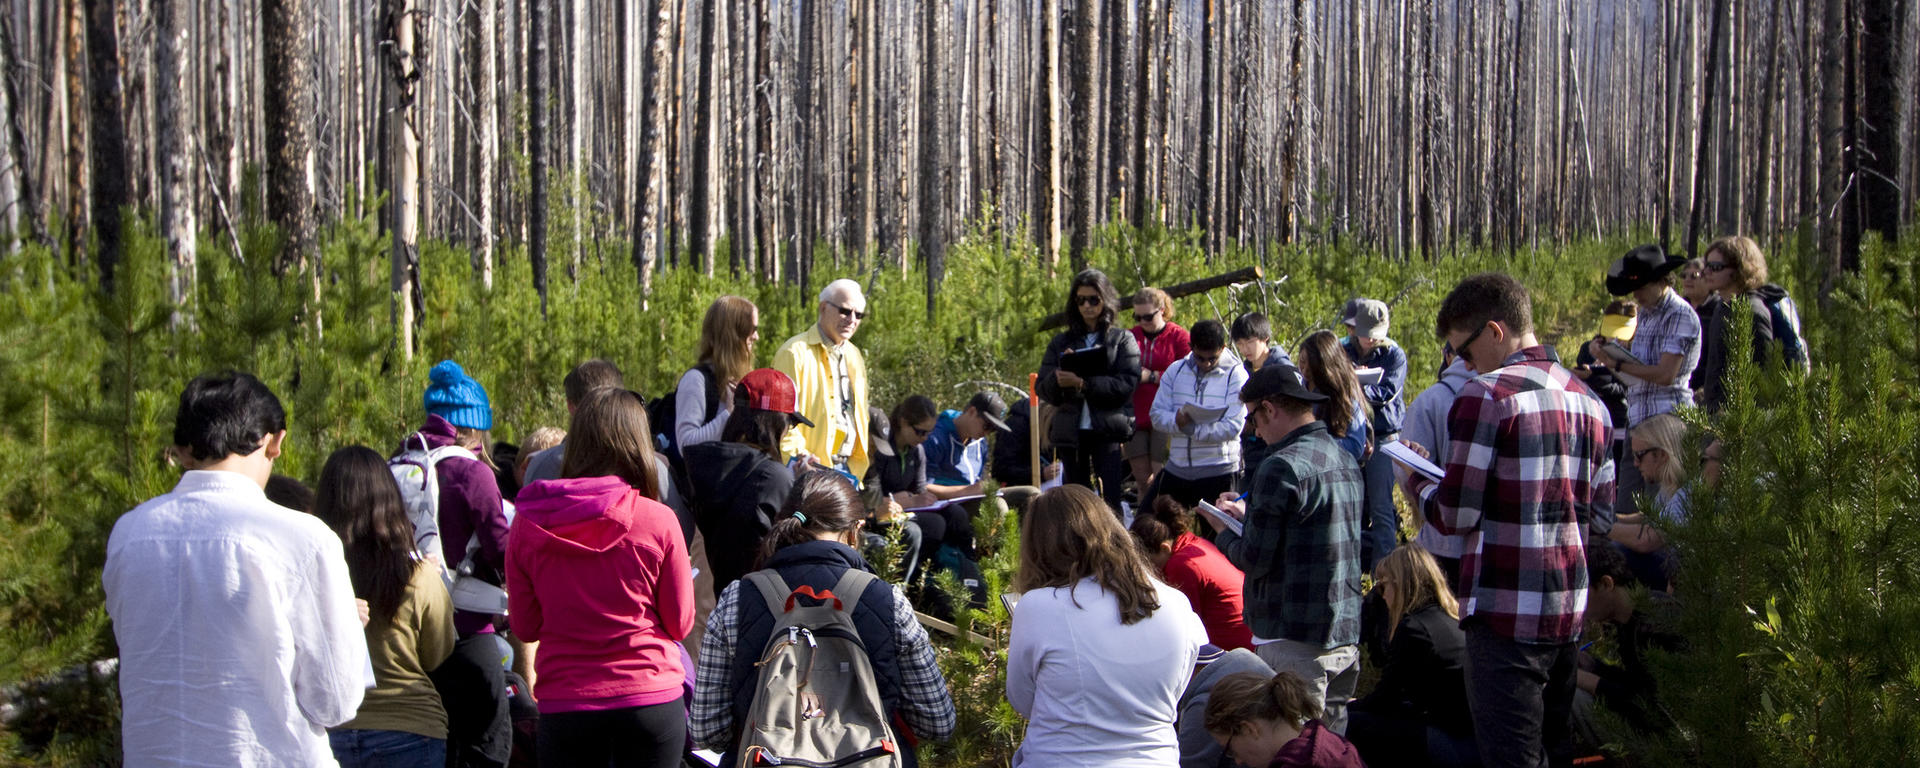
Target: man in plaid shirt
(1527, 465)
(1301, 545)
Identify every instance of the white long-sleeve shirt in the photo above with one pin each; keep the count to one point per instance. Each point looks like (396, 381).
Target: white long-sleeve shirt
(1098, 693)
(239, 639)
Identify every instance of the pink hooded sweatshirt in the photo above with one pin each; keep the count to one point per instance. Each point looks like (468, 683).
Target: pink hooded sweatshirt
(598, 575)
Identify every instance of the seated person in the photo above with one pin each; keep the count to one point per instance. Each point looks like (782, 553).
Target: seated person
(1274, 721)
(1657, 446)
(1012, 456)
(1627, 688)
(1194, 566)
(1417, 713)
(905, 493)
(1197, 747)
(956, 450)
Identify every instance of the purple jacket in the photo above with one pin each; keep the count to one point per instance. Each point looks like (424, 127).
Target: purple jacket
(469, 505)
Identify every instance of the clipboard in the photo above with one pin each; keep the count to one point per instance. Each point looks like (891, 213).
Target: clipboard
(1620, 353)
(1084, 362)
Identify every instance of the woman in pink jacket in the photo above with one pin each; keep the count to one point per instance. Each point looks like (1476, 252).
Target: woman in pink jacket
(597, 573)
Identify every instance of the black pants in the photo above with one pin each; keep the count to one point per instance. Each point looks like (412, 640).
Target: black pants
(950, 524)
(473, 688)
(1521, 697)
(1096, 457)
(1187, 492)
(653, 736)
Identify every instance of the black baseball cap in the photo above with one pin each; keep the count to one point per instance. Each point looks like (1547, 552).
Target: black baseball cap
(1276, 380)
(991, 408)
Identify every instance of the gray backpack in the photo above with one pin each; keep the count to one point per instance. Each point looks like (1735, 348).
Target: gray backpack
(817, 703)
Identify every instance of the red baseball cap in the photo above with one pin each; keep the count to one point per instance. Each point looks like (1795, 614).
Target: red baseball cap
(770, 390)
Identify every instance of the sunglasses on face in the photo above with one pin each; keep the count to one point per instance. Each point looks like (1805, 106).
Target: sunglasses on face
(1642, 453)
(850, 312)
(1471, 338)
(919, 430)
(1087, 301)
(1140, 318)
(1716, 266)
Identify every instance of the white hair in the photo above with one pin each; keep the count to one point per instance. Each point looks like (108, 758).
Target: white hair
(848, 290)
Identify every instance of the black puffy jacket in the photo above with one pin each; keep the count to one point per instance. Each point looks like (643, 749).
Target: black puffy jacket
(1109, 394)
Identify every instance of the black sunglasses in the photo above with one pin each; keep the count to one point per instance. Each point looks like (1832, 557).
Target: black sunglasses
(850, 312)
(921, 432)
(1716, 266)
(1086, 301)
(1641, 454)
(1148, 316)
(1471, 338)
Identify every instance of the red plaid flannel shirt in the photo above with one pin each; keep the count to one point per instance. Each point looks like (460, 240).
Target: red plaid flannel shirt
(1528, 458)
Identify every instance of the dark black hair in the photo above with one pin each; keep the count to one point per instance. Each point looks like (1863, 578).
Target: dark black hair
(1207, 334)
(1109, 299)
(752, 426)
(1488, 296)
(360, 501)
(915, 408)
(1252, 325)
(290, 493)
(822, 501)
(226, 414)
(1603, 559)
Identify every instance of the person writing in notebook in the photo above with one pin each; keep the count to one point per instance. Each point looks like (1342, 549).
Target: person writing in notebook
(1202, 453)
(956, 450)
(1300, 546)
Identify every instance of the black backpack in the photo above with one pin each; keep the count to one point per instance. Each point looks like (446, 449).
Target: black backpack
(661, 412)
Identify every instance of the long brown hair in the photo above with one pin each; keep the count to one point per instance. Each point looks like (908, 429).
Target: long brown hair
(1167, 521)
(1069, 534)
(723, 338)
(821, 501)
(1330, 373)
(1417, 580)
(1247, 697)
(610, 436)
(359, 500)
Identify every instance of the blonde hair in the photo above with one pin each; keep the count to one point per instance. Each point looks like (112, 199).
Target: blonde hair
(1417, 581)
(1247, 697)
(1068, 534)
(723, 338)
(1749, 264)
(1669, 434)
(542, 439)
(477, 441)
(1156, 297)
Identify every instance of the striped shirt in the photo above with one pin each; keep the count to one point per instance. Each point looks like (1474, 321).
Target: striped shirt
(1669, 327)
(1527, 462)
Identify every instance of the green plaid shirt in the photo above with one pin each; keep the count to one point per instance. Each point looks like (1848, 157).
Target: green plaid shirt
(1301, 549)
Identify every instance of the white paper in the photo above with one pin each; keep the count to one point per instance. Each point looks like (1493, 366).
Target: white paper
(1010, 599)
(1369, 375)
(1202, 415)
(1221, 519)
(1126, 515)
(1059, 476)
(1405, 456)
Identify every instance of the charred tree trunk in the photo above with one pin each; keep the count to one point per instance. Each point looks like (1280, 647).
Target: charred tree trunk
(173, 125)
(109, 140)
(289, 112)
(1716, 44)
(537, 137)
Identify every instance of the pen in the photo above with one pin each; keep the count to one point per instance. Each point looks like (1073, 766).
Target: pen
(1242, 496)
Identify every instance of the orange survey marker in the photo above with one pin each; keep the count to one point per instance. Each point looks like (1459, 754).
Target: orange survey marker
(1033, 424)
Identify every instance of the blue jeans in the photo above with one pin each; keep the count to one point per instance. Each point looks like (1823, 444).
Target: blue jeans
(1381, 527)
(386, 749)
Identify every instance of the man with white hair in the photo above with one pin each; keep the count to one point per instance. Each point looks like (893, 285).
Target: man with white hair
(830, 384)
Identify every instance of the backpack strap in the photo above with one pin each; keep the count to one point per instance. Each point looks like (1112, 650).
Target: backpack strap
(712, 389)
(851, 586)
(773, 589)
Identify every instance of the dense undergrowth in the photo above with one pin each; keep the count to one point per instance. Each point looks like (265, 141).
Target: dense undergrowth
(1814, 529)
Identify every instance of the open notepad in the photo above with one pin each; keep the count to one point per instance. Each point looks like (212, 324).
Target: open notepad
(1405, 456)
(944, 502)
(1368, 375)
(1221, 520)
(1201, 414)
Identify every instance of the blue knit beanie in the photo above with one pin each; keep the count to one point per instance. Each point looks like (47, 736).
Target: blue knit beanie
(456, 397)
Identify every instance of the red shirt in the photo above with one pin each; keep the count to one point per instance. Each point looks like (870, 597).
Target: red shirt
(1212, 584)
(1170, 344)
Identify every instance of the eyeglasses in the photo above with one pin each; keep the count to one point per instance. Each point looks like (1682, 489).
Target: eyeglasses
(1691, 274)
(1642, 453)
(1086, 301)
(1716, 266)
(850, 312)
(1471, 338)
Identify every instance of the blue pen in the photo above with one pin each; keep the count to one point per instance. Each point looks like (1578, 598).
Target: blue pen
(1241, 497)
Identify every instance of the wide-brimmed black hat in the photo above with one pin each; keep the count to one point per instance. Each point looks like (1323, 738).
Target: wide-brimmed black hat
(1278, 379)
(1639, 267)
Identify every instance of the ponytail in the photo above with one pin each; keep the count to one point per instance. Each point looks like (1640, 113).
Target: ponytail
(821, 502)
(1165, 522)
(1249, 697)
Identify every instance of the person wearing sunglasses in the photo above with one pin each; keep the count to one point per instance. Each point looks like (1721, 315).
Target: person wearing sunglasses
(1735, 273)
(1161, 342)
(1658, 450)
(1089, 374)
(829, 378)
(1528, 463)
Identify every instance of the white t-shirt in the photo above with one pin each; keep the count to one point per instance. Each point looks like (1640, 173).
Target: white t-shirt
(239, 640)
(1097, 692)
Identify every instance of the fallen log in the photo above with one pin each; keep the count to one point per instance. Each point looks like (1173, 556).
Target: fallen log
(1189, 288)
